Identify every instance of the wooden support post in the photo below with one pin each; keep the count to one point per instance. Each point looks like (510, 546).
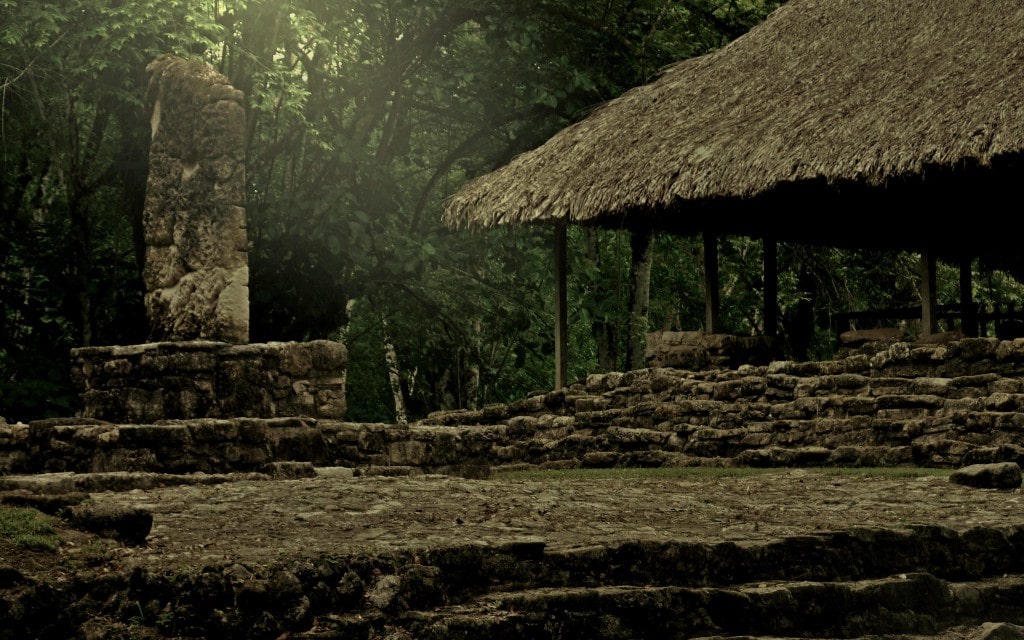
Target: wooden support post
(770, 249)
(929, 299)
(712, 301)
(561, 308)
(968, 310)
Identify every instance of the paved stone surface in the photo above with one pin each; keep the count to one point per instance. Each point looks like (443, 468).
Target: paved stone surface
(259, 522)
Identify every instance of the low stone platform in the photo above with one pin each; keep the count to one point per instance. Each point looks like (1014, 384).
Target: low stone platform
(145, 383)
(772, 554)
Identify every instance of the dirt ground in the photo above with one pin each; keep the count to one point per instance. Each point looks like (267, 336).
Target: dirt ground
(260, 522)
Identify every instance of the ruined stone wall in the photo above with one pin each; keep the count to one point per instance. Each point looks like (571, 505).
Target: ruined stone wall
(943, 406)
(198, 379)
(934, 405)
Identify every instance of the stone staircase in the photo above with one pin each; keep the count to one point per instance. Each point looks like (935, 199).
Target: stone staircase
(900, 404)
(920, 582)
(892, 404)
(917, 604)
(928, 582)
(941, 406)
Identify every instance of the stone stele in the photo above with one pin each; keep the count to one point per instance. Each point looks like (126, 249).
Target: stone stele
(196, 272)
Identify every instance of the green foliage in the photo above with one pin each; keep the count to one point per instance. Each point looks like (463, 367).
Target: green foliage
(72, 170)
(27, 528)
(366, 116)
(366, 388)
(363, 117)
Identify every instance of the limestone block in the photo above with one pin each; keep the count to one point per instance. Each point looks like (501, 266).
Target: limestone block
(327, 355)
(858, 337)
(1005, 475)
(187, 311)
(331, 403)
(409, 452)
(695, 350)
(296, 360)
(130, 525)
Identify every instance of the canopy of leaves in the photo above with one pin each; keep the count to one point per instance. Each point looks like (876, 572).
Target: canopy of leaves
(363, 116)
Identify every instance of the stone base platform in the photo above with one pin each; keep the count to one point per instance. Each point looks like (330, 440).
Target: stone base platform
(696, 350)
(781, 555)
(145, 383)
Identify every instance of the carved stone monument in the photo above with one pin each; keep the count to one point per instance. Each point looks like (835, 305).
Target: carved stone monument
(196, 274)
(199, 363)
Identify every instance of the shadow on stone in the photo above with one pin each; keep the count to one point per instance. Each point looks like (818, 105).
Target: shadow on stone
(128, 525)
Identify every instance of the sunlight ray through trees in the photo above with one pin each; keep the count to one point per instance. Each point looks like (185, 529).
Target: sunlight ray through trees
(363, 117)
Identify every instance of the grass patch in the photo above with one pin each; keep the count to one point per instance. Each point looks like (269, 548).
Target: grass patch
(28, 528)
(712, 472)
(887, 472)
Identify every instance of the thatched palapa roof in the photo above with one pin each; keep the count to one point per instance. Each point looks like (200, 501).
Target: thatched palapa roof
(861, 115)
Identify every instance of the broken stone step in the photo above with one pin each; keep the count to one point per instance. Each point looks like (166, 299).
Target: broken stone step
(71, 482)
(858, 553)
(855, 554)
(906, 604)
(984, 631)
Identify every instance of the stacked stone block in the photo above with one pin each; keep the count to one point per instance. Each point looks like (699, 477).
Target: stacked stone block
(944, 406)
(894, 404)
(198, 379)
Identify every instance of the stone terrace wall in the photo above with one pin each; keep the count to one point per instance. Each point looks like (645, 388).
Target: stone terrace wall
(884, 404)
(901, 404)
(201, 379)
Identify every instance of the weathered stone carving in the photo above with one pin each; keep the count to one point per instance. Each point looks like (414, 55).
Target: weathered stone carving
(199, 363)
(196, 272)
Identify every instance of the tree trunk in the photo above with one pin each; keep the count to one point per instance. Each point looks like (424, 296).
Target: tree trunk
(80, 184)
(350, 307)
(929, 293)
(642, 258)
(712, 294)
(561, 307)
(394, 375)
(801, 325)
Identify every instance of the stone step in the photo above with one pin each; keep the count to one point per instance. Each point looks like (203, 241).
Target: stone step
(901, 604)
(854, 554)
(924, 580)
(250, 445)
(984, 631)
